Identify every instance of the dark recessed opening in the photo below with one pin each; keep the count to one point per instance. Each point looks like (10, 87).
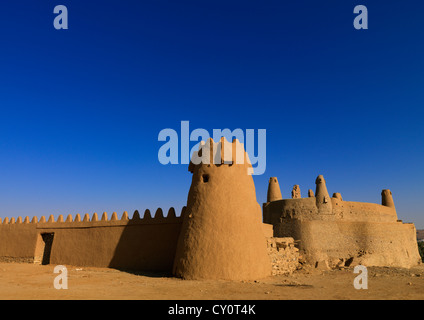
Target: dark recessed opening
(348, 262)
(205, 178)
(48, 241)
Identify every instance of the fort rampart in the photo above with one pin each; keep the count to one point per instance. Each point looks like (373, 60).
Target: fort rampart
(340, 232)
(139, 243)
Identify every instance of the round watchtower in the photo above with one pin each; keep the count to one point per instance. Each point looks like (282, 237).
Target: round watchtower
(221, 235)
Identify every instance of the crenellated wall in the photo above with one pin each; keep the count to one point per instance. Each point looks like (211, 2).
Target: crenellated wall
(306, 209)
(338, 232)
(147, 243)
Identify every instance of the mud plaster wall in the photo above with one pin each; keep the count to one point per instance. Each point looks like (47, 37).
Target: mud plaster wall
(367, 232)
(140, 244)
(147, 244)
(17, 242)
(370, 244)
(306, 209)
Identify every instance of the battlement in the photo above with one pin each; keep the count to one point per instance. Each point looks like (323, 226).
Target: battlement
(221, 153)
(94, 220)
(320, 206)
(334, 230)
(139, 242)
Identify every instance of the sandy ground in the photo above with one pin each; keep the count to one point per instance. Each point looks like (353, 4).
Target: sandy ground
(27, 281)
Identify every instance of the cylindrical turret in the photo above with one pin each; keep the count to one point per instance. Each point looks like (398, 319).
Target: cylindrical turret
(322, 197)
(387, 198)
(222, 234)
(274, 192)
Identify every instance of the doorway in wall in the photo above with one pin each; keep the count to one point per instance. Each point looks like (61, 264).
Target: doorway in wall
(44, 248)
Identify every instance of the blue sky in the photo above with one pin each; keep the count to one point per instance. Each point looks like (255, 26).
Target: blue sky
(81, 108)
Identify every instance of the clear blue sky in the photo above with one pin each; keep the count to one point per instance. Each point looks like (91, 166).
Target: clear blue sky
(81, 108)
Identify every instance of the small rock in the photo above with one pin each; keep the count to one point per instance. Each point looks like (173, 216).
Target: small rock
(322, 265)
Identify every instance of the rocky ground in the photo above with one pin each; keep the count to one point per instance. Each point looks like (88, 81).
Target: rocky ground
(28, 281)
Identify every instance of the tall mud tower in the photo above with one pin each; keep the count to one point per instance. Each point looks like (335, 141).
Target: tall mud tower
(221, 235)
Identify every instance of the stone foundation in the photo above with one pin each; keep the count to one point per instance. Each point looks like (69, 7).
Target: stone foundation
(284, 255)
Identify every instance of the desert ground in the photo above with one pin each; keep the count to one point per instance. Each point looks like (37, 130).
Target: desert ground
(28, 281)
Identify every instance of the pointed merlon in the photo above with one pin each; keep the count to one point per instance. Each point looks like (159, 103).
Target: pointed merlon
(136, 216)
(226, 152)
(147, 214)
(26, 220)
(12, 220)
(34, 219)
(60, 218)
(42, 219)
(196, 154)
(159, 213)
(124, 216)
(6, 220)
(19, 220)
(238, 154)
(183, 211)
(0, 220)
(95, 217)
(218, 153)
(86, 217)
(69, 218)
(171, 213)
(77, 218)
(51, 218)
(104, 216)
(311, 193)
(114, 217)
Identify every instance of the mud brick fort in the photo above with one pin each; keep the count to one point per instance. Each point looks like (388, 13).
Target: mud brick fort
(337, 232)
(222, 232)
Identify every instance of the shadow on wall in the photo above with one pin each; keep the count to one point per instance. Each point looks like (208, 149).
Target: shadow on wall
(147, 246)
(421, 249)
(139, 245)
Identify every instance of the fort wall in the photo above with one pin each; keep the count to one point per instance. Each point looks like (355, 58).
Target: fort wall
(340, 232)
(17, 242)
(306, 209)
(370, 244)
(147, 243)
(139, 243)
